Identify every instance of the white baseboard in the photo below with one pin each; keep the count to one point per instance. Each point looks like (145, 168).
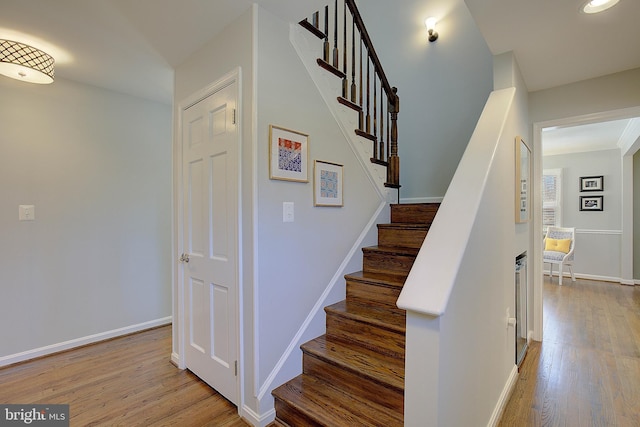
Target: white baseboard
(250, 416)
(422, 200)
(504, 397)
(78, 342)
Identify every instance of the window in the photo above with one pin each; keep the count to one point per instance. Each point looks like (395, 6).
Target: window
(551, 198)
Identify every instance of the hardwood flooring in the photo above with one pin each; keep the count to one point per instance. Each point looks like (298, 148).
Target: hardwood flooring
(127, 381)
(586, 372)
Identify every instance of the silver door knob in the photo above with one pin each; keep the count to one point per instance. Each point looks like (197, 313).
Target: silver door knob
(184, 258)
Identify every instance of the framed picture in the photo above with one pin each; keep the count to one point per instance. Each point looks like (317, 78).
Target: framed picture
(523, 179)
(591, 203)
(327, 187)
(592, 183)
(288, 154)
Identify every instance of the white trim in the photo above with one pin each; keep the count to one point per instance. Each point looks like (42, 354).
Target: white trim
(422, 200)
(504, 397)
(255, 201)
(255, 419)
(320, 303)
(606, 232)
(78, 342)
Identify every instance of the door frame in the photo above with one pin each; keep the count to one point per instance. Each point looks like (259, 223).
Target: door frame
(179, 309)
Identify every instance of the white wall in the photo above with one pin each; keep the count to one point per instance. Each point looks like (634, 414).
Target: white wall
(443, 85)
(96, 165)
(636, 213)
(598, 234)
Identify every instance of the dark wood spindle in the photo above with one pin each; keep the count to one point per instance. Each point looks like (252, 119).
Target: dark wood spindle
(325, 56)
(315, 20)
(368, 118)
(360, 102)
(353, 62)
(336, 54)
(375, 105)
(382, 126)
(345, 80)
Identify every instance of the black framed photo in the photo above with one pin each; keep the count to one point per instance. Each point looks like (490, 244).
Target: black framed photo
(591, 203)
(592, 183)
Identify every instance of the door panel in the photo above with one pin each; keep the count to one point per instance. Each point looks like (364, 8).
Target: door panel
(210, 230)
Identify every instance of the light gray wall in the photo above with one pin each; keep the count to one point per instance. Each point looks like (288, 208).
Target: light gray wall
(443, 85)
(598, 234)
(96, 165)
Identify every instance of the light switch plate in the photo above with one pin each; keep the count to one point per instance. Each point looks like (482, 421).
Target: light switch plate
(26, 212)
(287, 212)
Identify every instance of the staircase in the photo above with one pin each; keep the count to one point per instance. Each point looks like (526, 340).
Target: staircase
(354, 374)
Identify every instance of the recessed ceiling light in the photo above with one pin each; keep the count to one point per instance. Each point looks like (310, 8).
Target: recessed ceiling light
(595, 6)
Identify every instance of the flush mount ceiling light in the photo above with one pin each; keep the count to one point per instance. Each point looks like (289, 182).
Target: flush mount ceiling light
(595, 6)
(23, 62)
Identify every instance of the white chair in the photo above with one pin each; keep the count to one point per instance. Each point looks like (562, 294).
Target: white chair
(563, 255)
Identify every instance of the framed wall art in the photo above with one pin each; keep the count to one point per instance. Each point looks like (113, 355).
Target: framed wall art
(523, 180)
(592, 183)
(591, 203)
(328, 184)
(288, 154)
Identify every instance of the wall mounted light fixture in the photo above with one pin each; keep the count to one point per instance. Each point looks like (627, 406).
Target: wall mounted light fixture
(430, 23)
(23, 62)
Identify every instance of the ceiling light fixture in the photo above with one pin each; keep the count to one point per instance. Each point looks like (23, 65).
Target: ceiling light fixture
(595, 6)
(430, 23)
(23, 62)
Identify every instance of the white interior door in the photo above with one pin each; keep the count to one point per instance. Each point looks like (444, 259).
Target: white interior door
(210, 240)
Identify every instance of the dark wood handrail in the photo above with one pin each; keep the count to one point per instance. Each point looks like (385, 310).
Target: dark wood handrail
(351, 4)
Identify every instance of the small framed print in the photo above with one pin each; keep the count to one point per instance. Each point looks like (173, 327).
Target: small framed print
(328, 185)
(523, 177)
(288, 154)
(591, 203)
(592, 183)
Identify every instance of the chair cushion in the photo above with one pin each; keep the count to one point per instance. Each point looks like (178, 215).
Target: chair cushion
(549, 256)
(557, 245)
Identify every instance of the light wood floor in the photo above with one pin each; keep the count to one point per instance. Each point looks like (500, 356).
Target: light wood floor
(128, 381)
(586, 372)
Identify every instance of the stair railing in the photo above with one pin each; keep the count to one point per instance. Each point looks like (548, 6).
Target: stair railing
(365, 87)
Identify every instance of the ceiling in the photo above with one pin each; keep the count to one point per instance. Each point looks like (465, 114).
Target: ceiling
(132, 46)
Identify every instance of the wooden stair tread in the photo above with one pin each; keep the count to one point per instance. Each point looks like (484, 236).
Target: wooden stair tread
(328, 406)
(373, 315)
(392, 250)
(366, 363)
(406, 226)
(378, 279)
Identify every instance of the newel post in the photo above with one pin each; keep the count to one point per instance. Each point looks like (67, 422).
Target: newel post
(393, 171)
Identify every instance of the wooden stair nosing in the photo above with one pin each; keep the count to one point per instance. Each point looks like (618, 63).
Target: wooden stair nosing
(313, 30)
(333, 70)
(392, 250)
(374, 367)
(378, 279)
(375, 316)
(315, 400)
(344, 101)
